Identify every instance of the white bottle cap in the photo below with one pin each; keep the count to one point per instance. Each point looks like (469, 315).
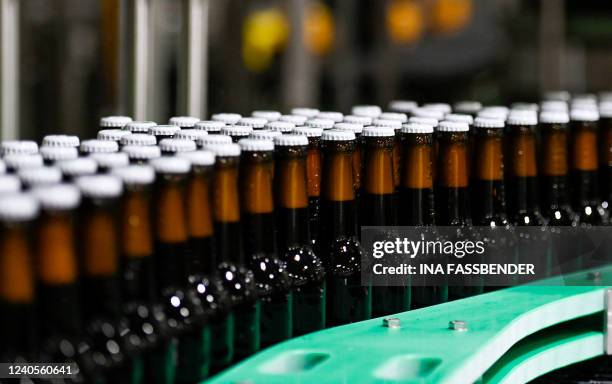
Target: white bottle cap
(255, 145)
(171, 165)
(190, 134)
(18, 207)
(291, 140)
(584, 115)
(394, 124)
(554, 117)
(214, 139)
(100, 186)
(58, 153)
(363, 120)
(452, 126)
(177, 145)
(460, 117)
(442, 107)
(40, 176)
(529, 118)
(467, 106)
(308, 131)
(111, 160)
(297, 120)
(280, 126)
(112, 134)
(224, 150)
(428, 112)
(337, 135)
(135, 174)
(78, 167)
(308, 112)
(99, 146)
(9, 184)
(227, 118)
(373, 131)
(115, 121)
(252, 122)
(355, 128)
(199, 158)
(22, 161)
(424, 120)
(320, 123)
(138, 139)
(417, 128)
(483, 122)
(139, 126)
(268, 115)
(61, 141)
(163, 130)
(138, 152)
(331, 115)
(210, 126)
(403, 106)
(19, 147)
(58, 196)
(183, 121)
(237, 130)
(366, 110)
(402, 117)
(264, 134)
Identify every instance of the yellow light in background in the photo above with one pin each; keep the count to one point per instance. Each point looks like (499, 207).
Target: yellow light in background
(264, 33)
(450, 16)
(404, 21)
(319, 29)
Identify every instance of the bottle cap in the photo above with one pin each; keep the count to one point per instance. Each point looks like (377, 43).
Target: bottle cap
(308, 131)
(58, 153)
(2, 167)
(605, 109)
(227, 118)
(393, 116)
(428, 112)
(394, 124)
(462, 118)
(113, 134)
(442, 107)
(525, 106)
(320, 123)
(264, 134)
(58, 196)
(373, 131)
(111, 160)
(554, 117)
(366, 110)
(100, 186)
(356, 128)
(137, 152)
(354, 119)
(237, 130)
(424, 120)
(199, 158)
(135, 174)
(494, 112)
(18, 207)
(214, 139)
(78, 167)
(163, 130)
(252, 122)
(210, 126)
(584, 115)
(9, 184)
(452, 126)
(483, 122)
(19, 147)
(224, 150)
(337, 135)
(40, 176)
(255, 145)
(22, 161)
(98, 146)
(177, 145)
(280, 126)
(308, 112)
(291, 140)
(139, 126)
(171, 165)
(467, 106)
(331, 115)
(183, 121)
(138, 139)
(61, 141)
(403, 106)
(417, 128)
(557, 95)
(190, 134)
(522, 118)
(583, 104)
(115, 121)
(585, 96)
(268, 115)
(554, 105)
(296, 120)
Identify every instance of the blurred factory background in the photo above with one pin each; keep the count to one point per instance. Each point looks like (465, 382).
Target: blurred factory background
(65, 63)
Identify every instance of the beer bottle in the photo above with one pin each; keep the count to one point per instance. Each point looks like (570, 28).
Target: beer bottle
(184, 122)
(66, 141)
(57, 274)
(583, 167)
(138, 140)
(163, 132)
(253, 122)
(191, 134)
(264, 134)
(403, 106)
(51, 155)
(296, 120)
(9, 184)
(72, 169)
(347, 299)
(141, 154)
(203, 262)
(238, 280)
(210, 126)
(292, 223)
(313, 179)
(554, 188)
(268, 115)
(226, 118)
(283, 127)
(88, 147)
(257, 219)
(109, 161)
(357, 156)
(33, 177)
(378, 208)
(469, 120)
(237, 132)
(112, 134)
(605, 157)
(468, 107)
(112, 342)
(522, 197)
(18, 147)
(436, 150)
(309, 113)
(487, 188)
(114, 121)
(140, 127)
(416, 194)
(17, 287)
(16, 161)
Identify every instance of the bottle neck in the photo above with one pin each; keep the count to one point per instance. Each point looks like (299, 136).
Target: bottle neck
(291, 197)
(605, 163)
(377, 200)
(554, 166)
(313, 167)
(452, 179)
(200, 221)
(488, 189)
(584, 163)
(522, 187)
(416, 192)
(226, 210)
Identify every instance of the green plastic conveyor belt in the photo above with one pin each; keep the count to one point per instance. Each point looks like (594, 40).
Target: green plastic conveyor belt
(508, 339)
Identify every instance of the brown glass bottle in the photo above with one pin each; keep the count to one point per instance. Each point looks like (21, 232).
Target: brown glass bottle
(257, 214)
(347, 299)
(238, 280)
(17, 281)
(584, 182)
(294, 246)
